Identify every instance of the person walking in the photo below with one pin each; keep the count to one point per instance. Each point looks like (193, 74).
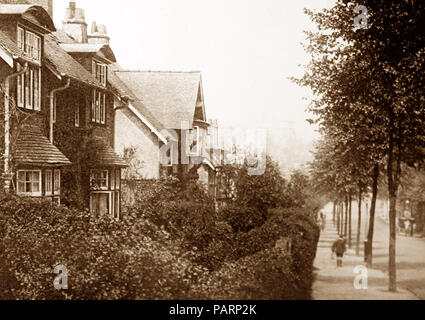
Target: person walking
(338, 248)
(323, 221)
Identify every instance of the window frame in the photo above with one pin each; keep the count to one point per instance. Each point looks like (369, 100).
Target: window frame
(103, 176)
(98, 109)
(25, 192)
(198, 149)
(28, 88)
(57, 181)
(48, 181)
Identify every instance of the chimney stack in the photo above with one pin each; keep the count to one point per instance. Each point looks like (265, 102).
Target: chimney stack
(74, 23)
(98, 34)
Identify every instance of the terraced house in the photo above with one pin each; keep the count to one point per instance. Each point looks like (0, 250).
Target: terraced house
(69, 111)
(58, 111)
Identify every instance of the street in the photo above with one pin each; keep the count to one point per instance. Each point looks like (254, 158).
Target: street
(337, 284)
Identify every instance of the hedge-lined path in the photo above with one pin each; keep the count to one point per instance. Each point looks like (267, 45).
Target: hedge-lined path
(333, 283)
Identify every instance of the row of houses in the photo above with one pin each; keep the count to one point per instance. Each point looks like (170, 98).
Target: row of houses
(70, 112)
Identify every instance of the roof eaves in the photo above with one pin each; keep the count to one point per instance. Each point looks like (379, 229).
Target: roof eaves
(147, 123)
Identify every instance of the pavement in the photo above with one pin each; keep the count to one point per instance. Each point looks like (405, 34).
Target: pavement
(332, 283)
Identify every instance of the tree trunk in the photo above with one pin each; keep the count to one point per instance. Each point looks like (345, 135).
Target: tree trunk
(346, 217)
(338, 218)
(392, 248)
(334, 212)
(350, 200)
(369, 250)
(359, 224)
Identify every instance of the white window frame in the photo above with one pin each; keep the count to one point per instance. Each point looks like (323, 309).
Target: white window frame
(32, 194)
(21, 38)
(198, 149)
(57, 182)
(105, 177)
(29, 95)
(110, 194)
(48, 181)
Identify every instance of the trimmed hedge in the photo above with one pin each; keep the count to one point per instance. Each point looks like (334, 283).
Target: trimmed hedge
(163, 248)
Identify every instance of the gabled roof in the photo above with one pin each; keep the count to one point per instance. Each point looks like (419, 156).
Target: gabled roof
(22, 9)
(104, 50)
(65, 65)
(135, 105)
(170, 96)
(33, 148)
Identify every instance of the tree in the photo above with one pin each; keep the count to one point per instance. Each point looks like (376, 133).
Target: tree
(376, 74)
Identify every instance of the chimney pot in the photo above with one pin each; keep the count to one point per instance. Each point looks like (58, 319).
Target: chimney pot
(93, 27)
(102, 29)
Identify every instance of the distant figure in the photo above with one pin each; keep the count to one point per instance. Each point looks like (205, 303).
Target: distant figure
(338, 248)
(322, 221)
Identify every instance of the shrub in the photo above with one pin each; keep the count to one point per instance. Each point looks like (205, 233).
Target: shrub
(132, 259)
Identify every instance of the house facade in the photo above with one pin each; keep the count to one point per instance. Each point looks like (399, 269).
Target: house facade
(61, 143)
(70, 111)
(174, 102)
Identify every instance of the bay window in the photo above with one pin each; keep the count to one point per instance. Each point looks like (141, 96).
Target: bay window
(29, 182)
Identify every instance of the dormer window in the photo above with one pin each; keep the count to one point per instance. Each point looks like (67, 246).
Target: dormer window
(30, 43)
(100, 71)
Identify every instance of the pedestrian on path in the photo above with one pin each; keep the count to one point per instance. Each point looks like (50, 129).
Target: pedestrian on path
(323, 221)
(338, 248)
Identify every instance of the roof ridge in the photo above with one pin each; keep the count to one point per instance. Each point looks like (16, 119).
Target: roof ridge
(159, 71)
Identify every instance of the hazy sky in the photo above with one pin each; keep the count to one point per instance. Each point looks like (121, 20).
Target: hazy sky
(245, 49)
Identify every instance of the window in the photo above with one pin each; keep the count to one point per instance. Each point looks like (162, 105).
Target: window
(98, 107)
(30, 43)
(99, 179)
(21, 38)
(77, 115)
(29, 88)
(57, 182)
(48, 182)
(118, 179)
(100, 71)
(113, 180)
(29, 182)
(195, 149)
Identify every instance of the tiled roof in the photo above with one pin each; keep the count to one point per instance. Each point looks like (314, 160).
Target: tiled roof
(102, 49)
(170, 96)
(124, 91)
(64, 64)
(63, 37)
(33, 148)
(10, 46)
(21, 7)
(105, 155)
